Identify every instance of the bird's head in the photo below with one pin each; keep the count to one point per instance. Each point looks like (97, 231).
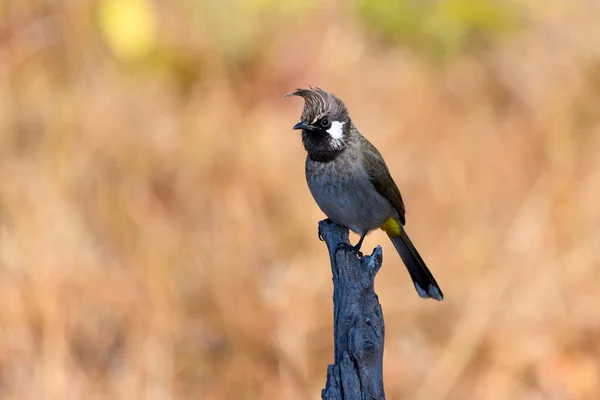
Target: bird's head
(325, 123)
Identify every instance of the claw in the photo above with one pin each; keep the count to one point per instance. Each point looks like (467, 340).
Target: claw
(347, 247)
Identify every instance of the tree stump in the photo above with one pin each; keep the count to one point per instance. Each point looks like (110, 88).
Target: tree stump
(358, 326)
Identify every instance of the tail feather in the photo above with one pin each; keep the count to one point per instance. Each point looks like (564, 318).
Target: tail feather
(422, 278)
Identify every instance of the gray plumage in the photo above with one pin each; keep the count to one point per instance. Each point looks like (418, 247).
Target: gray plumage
(338, 185)
(351, 183)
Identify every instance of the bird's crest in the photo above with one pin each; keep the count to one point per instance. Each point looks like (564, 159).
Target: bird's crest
(317, 103)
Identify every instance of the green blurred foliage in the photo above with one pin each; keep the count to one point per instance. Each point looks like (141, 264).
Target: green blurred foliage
(229, 34)
(438, 28)
(237, 31)
(240, 26)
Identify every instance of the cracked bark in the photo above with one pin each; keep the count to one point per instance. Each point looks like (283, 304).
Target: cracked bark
(358, 326)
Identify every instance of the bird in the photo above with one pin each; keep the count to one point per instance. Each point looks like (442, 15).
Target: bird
(351, 183)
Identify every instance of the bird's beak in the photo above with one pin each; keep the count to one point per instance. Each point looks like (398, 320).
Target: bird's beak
(302, 125)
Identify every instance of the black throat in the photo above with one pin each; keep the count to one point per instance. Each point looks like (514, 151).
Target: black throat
(325, 157)
(319, 147)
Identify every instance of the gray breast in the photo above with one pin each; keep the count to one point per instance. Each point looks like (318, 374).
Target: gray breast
(344, 193)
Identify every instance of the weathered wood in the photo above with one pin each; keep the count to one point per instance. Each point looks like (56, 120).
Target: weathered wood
(358, 327)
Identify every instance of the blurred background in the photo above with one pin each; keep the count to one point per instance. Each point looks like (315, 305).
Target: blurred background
(158, 240)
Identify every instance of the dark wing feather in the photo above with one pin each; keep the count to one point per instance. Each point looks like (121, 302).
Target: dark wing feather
(380, 177)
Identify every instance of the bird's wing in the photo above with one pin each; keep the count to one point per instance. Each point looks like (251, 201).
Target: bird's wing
(380, 177)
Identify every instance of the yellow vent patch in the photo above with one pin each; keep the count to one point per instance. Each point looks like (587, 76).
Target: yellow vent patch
(391, 227)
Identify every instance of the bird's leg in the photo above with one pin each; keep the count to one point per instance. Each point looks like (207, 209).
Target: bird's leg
(359, 244)
(356, 248)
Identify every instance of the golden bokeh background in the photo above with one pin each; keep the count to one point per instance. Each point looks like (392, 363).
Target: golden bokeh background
(158, 240)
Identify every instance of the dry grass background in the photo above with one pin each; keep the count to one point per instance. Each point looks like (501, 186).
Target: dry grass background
(158, 240)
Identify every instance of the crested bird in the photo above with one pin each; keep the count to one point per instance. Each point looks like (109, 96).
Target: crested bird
(351, 183)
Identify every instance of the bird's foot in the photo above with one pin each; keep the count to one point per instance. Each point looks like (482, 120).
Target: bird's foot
(348, 247)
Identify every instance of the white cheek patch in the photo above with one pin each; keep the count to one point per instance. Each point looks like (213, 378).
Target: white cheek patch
(336, 131)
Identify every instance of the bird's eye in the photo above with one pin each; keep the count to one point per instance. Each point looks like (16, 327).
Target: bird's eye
(325, 123)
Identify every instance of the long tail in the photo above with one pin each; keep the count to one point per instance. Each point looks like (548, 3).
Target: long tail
(423, 279)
